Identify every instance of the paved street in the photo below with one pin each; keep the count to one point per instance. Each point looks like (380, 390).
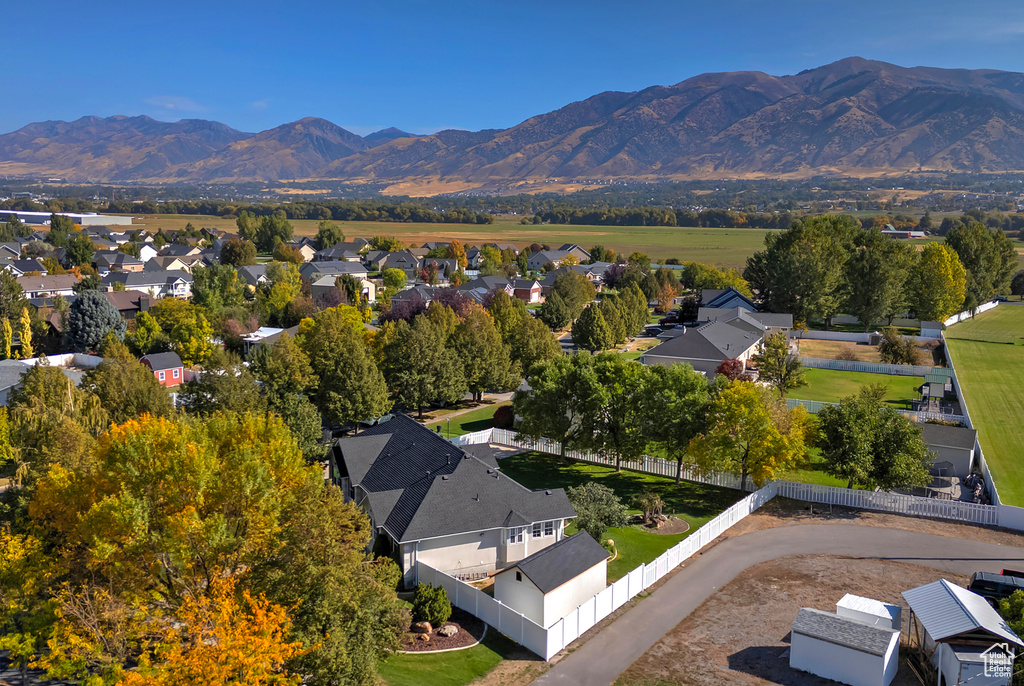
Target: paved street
(601, 659)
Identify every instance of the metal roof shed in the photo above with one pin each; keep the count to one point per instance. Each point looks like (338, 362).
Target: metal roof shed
(844, 649)
(957, 633)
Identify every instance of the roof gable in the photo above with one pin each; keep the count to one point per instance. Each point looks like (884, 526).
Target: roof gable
(563, 561)
(947, 611)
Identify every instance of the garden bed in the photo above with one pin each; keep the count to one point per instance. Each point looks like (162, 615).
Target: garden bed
(470, 631)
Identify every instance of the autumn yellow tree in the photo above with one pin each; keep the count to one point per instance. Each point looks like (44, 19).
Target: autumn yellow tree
(457, 252)
(938, 283)
(221, 640)
(750, 433)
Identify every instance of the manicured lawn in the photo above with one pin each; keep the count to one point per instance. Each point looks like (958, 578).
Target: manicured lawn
(477, 420)
(991, 377)
(827, 385)
(1004, 324)
(447, 669)
(811, 470)
(696, 503)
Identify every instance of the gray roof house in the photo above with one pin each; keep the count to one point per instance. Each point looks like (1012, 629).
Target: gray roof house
(772, 321)
(537, 261)
(312, 271)
(707, 346)
(431, 502)
(42, 286)
(158, 284)
(725, 297)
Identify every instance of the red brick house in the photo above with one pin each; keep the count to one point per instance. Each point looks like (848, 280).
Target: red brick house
(527, 290)
(167, 368)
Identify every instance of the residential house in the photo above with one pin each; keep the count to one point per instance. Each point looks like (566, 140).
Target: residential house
(374, 260)
(431, 502)
(770, 321)
(305, 248)
(147, 251)
(158, 284)
(116, 261)
(536, 261)
(554, 581)
(723, 298)
(421, 292)
(404, 260)
(166, 263)
(705, 347)
(474, 257)
(167, 368)
(434, 245)
(129, 302)
(500, 247)
(480, 288)
(178, 250)
(326, 284)
(10, 250)
(528, 290)
(960, 635)
(48, 286)
(313, 271)
(20, 267)
(254, 275)
(445, 266)
(594, 273)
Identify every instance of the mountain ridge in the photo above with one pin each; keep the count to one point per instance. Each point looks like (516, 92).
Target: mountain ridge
(853, 117)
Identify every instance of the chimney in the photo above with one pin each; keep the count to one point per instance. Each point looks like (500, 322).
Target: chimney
(144, 303)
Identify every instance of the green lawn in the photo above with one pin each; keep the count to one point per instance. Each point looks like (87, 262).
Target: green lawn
(1004, 324)
(827, 385)
(477, 420)
(696, 503)
(991, 377)
(811, 470)
(447, 669)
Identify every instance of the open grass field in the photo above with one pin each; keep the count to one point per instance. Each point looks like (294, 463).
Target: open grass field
(826, 385)
(991, 376)
(723, 247)
(693, 502)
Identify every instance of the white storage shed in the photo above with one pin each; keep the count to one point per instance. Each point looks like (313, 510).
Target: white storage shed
(957, 638)
(551, 583)
(843, 649)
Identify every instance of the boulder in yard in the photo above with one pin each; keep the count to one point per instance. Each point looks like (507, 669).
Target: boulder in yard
(448, 630)
(422, 628)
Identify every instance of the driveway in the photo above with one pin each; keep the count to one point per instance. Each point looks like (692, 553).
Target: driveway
(607, 654)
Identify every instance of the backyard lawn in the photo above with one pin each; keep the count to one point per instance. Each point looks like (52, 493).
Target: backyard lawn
(477, 420)
(991, 377)
(696, 503)
(827, 385)
(447, 669)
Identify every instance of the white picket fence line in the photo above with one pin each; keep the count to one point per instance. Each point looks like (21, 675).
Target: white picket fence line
(967, 314)
(873, 367)
(547, 642)
(816, 406)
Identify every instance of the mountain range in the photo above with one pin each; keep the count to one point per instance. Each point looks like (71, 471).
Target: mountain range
(853, 117)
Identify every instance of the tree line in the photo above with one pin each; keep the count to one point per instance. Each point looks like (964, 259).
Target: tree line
(662, 216)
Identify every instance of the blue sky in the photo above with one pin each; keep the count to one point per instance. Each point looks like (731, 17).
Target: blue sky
(424, 66)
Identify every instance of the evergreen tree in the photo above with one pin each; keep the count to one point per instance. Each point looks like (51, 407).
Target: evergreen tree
(90, 319)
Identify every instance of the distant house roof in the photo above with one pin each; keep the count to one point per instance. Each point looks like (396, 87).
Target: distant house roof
(946, 611)
(441, 490)
(147, 279)
(725, 297)
(331, 268)
(562, 561)
(55, 282)
(843, 631)
(949, 436)
(252, 274)
(487, 283)
(728, 314)
(162, 361)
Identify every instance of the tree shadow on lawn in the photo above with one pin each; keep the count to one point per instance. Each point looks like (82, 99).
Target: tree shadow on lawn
(693, 501)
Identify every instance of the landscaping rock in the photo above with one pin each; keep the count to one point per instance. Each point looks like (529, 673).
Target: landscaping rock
(448, 630)
(422, 628)
(423, 637)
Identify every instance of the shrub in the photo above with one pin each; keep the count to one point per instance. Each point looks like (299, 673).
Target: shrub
(597, 508)
(847, 355)
(504, 417)
(431, 605)
(897, 349)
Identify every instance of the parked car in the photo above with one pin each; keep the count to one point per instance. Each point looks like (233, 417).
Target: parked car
(994, 587)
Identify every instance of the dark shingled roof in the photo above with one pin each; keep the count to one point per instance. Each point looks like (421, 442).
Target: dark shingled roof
(441, 490)
(563, 561)
(161, 361)
(949, 436)
(843, 631)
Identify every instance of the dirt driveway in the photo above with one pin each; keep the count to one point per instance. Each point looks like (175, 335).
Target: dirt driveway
(741, 634)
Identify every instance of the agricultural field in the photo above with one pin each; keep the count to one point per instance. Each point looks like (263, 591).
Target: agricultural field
(721, 247)
(990, 370)
(827, 385)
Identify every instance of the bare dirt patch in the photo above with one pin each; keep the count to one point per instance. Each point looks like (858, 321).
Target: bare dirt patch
(740, 635)
(837, 350)
(785, 512)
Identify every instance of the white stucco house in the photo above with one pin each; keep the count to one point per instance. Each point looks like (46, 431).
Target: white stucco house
(553, 582)
(430, 501)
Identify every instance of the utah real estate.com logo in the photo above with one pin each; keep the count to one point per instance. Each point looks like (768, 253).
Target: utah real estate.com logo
(997, 661)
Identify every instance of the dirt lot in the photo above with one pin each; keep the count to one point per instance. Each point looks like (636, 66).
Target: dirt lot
(741, 634)
(830, 350)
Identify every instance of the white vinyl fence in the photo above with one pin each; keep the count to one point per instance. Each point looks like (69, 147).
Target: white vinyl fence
(967, 314)
(548, 642)
(873, 367)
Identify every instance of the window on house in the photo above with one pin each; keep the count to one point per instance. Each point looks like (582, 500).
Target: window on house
(519, 576)
(537, 529)
(549, 528)
(161, 376)
(175, 373)
(515, 535)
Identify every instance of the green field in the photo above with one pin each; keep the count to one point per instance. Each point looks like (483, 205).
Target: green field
(991, 376)
(826, 385)
(696, 503)
(723, 247)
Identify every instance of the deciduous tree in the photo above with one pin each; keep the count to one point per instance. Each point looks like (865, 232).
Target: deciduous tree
(674, 408)
(777, 366)
(938, 283)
